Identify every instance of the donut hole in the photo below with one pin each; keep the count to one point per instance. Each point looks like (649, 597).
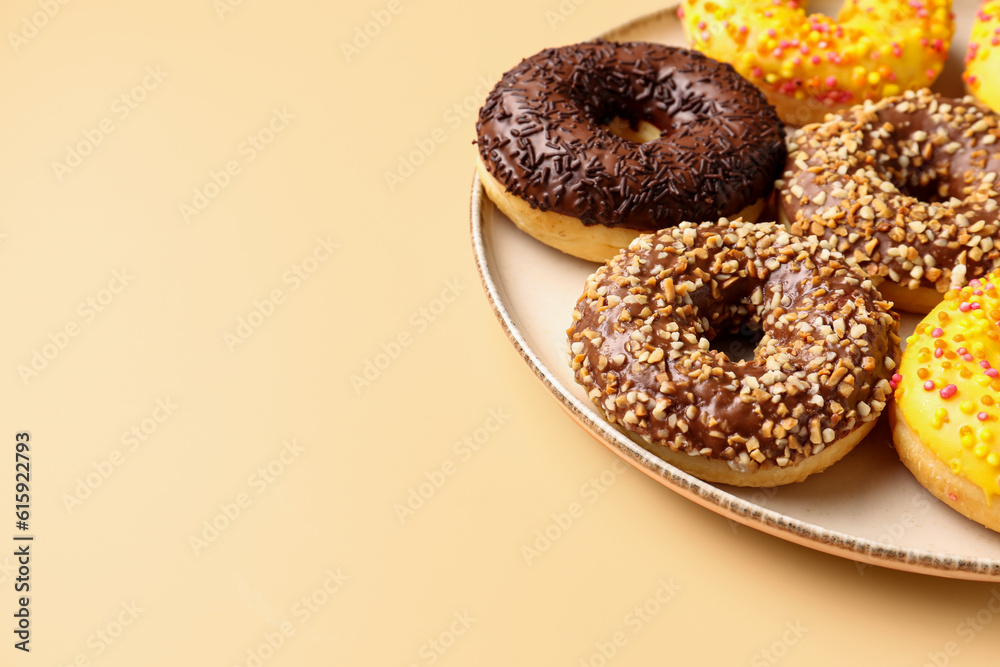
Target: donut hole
(924, 181)
(740, 344)
(917, 164)
(829, 8)
(636, 131)
(631, 105)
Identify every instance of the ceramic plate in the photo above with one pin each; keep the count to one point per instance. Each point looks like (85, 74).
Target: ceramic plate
(867, 507)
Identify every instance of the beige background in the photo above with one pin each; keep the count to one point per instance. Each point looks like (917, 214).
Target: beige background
(130, 306)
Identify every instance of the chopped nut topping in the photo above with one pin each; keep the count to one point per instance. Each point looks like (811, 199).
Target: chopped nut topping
(652, 312)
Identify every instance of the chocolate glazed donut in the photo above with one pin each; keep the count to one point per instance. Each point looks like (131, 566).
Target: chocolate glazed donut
(545, 145)
(641, 346)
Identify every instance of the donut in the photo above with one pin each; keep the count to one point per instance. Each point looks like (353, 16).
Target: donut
(981, 60)
(641, 345)
(586, 146)
(811, 65)
(946, 413)
(908, 188)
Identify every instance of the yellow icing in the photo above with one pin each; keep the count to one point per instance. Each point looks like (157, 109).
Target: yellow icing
(873, 49)
(950, 399)
(982, 59)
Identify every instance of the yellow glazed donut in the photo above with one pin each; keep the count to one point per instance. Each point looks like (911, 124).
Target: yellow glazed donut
(946, 416)
(982, 61)
(811, 65)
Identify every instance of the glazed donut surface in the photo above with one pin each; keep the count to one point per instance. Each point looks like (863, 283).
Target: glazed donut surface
(982, 59)
(545, 134)
(947, 417)
(641, 345)
(810, 65)
(906, 187)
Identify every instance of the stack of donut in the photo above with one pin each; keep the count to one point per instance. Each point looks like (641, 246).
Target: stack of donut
(656, 161)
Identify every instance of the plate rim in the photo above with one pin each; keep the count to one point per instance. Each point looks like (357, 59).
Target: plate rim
(707, 495)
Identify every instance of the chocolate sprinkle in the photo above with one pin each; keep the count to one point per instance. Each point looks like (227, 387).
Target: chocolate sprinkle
(541, 135)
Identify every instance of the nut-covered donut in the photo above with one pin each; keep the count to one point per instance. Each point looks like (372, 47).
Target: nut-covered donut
(641, 346)
(907, 187)
(585, 146)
